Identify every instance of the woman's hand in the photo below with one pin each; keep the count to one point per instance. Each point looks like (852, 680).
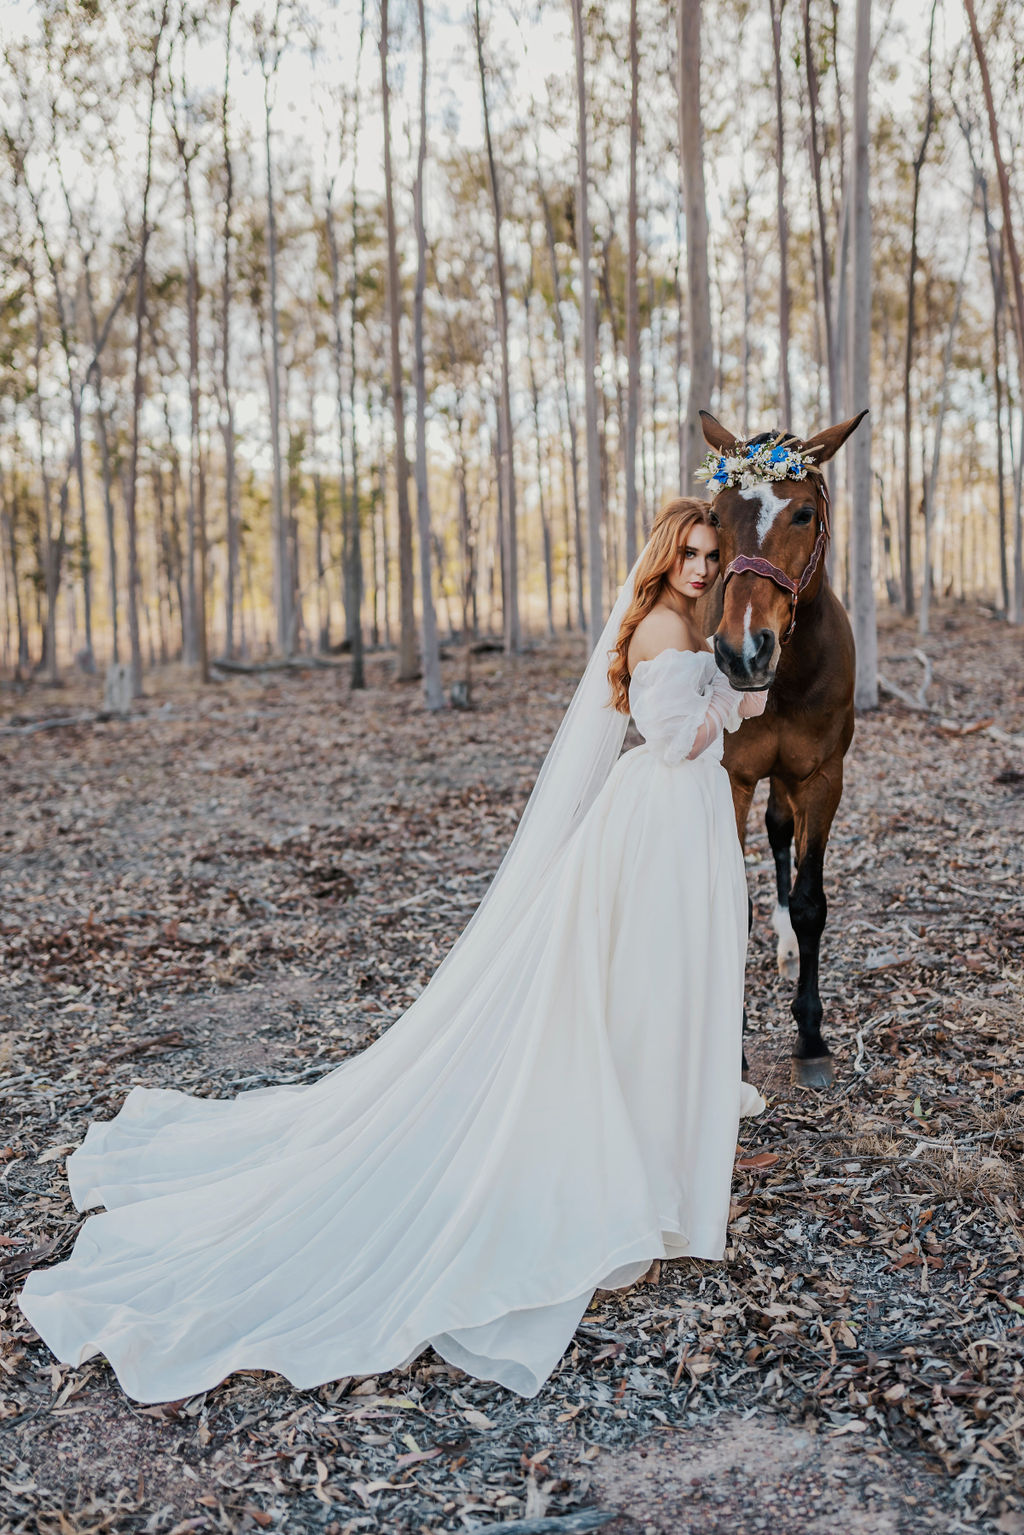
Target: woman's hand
(753, 704)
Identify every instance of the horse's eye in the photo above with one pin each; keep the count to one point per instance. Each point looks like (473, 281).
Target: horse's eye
(713, 519)
(802, 516)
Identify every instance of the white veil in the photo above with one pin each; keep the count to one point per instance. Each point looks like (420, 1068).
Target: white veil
(582, 754)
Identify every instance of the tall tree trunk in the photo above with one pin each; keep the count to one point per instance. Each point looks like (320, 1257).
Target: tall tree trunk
(932, 478)
(432, 690)
(691, 145)
(196, 650)
(105, 467)
(8, 533)
(570, 412)
(131, 508)
(906, 521)
(1017, 608)
(862, 589)
(1017, 613)
(75, 391)
(782, 218)
(284, 573)
(589, 318)
(510, 595)
(407, 659)
(632, 304)
(545, 511)
(231, 590)
(817, 171)
(353, 574)
(998, 276)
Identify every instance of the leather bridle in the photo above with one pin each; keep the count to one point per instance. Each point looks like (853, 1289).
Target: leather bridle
(759, 567)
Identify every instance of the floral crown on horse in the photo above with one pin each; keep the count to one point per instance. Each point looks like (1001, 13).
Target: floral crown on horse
(768, 457)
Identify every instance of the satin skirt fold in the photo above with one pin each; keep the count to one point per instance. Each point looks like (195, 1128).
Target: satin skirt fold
(558, 1108)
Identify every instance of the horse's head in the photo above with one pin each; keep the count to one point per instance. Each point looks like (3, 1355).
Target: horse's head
(772, 540)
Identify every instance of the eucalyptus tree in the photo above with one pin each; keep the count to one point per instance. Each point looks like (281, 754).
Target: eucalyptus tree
(906, 525)
(568, 404)
(506, 432)
(782, 215)
(408, 665)
(932, 475)
(433, 692)
(861, 580)
(269, 41)
(632, 296)
(691, 147)
(1013, 253)
(227, 399)
(189, 117)
(595, 570)
(155, 42)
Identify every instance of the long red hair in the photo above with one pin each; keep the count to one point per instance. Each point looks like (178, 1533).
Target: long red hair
(663, 546)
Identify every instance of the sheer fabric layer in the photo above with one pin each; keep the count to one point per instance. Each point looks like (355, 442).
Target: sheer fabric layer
(559, 1107)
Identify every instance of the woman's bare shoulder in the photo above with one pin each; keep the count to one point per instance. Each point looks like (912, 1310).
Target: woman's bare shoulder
(661, 629)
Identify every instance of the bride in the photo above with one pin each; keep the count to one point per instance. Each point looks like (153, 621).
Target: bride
(558, 1108)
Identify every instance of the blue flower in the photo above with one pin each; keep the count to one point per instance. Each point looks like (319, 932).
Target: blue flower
(753, 450)
(779, 455)
(720, 478)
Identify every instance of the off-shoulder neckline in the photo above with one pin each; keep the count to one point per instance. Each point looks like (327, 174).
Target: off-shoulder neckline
(670, 650)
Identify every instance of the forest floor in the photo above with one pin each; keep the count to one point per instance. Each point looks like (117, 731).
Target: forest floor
(243, 885)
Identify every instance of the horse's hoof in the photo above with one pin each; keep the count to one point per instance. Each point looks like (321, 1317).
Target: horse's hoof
(816, 1072)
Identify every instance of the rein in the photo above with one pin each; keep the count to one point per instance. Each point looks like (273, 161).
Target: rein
(759, 567)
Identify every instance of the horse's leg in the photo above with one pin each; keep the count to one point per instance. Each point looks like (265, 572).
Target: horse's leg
(779, 823)
(815, 804)
(742, 794)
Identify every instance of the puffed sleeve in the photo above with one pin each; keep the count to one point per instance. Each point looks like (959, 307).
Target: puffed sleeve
(681, 704)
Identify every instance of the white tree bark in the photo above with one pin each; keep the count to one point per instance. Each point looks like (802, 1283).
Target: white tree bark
(595, 569)
(632, 306)
(432, 690)
(862, 590)
(933, 473)
(691, 146)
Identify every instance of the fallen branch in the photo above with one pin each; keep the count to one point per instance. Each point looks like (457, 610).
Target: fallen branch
(276, 664)
(1004, 738)
(52, 724)
(30, 1258)
(952, 728)
(137, 1046)
(554, 1524)
(904, 697)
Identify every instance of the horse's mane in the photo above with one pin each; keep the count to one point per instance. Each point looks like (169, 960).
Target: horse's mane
(777, 434)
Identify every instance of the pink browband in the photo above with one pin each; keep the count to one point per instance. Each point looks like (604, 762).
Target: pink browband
(758, 567)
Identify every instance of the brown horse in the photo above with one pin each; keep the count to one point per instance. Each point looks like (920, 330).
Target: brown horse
(781, 626)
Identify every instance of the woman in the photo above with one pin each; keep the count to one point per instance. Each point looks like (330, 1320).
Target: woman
(558, 1108)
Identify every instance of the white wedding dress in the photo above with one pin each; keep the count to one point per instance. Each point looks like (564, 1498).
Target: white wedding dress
(557, 1109)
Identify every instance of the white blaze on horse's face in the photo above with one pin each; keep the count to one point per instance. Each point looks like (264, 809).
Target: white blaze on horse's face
(769, 505)
(749, 648)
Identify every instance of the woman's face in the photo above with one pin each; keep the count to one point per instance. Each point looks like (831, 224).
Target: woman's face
(696, 563)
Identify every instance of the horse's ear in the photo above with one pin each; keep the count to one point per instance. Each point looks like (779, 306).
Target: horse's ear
(826, 444)
(715, 434)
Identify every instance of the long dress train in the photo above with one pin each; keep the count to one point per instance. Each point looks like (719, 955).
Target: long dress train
(511, 1143)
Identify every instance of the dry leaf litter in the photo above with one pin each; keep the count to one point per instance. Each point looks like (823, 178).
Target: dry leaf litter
(242, 886)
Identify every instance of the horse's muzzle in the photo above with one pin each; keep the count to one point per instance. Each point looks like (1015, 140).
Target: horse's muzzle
(750, 668)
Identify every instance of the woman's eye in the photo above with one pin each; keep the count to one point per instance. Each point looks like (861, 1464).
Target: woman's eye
(714, 555)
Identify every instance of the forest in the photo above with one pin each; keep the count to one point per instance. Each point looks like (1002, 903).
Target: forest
(326, 329)
(347, 352)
